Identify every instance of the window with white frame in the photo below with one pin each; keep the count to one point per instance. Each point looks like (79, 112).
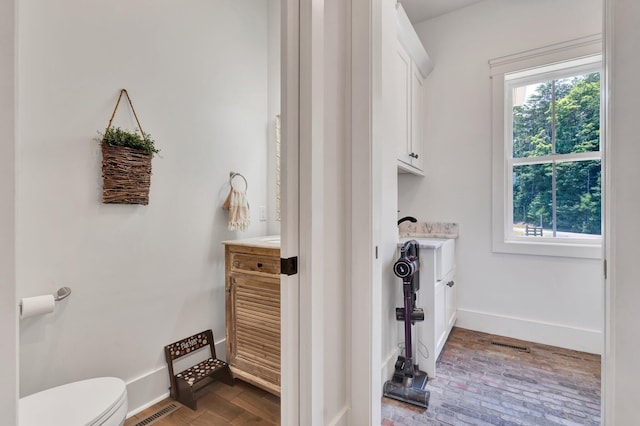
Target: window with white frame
(547, 154)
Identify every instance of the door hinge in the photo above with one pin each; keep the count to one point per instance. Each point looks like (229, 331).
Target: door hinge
(605, 269)
(289, 266)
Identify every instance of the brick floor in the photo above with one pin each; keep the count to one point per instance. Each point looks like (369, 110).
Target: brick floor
(479, 383)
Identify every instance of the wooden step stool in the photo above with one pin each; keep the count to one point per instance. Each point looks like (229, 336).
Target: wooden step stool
(186, 385)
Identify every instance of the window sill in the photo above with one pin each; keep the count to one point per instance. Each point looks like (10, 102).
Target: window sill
(545, 248)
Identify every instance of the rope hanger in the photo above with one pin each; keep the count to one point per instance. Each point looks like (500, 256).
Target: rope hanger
(132, 110)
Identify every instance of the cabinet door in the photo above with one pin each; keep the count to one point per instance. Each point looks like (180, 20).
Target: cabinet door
(439, 315)
(450, 303)
(253, 321)
(403, 108)
(417, 118)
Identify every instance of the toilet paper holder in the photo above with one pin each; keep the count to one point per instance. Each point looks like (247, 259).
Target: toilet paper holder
(62, 293)
(44, 304)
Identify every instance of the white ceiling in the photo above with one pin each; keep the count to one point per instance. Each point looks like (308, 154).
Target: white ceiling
(421, 10)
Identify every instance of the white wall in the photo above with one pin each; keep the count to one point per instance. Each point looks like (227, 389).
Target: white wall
(141, 277)
(8, 302)
(625, 175)
(556, 301)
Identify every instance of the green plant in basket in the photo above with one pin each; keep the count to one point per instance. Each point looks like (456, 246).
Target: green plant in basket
(117, 137)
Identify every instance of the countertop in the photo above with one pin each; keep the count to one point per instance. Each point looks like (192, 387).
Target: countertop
(273, 241)
(429, 229)
(429, 243)
(268, 241)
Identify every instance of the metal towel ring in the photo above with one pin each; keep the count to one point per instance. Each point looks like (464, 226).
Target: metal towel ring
(233, 175)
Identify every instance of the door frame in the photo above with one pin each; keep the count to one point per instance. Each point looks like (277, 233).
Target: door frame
(303, 221)
(8, 176)
(365, 275)
(291, 401)
(310, 193)
(607, 415)
(365, 22)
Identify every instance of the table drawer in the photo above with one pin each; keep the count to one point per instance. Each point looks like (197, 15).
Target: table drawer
(253, 263)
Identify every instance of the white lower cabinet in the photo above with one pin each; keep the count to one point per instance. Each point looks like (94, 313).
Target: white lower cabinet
(445, 310)
(437, 296)
(451, 304)
(439, 314)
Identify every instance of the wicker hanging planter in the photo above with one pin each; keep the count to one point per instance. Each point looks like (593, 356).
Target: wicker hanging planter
(126, 175)
(126, 170)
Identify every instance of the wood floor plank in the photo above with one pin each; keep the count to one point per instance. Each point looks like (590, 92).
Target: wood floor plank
(184, 416)
(171, 421)
(219, 406)
(271, 397)
(259, 406)
(248, 419)
(229, 392)
(210, 419)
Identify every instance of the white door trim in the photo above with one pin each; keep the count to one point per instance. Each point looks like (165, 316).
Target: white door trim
(365, 276)
(608, 359)
(311, 212)
(289, 295)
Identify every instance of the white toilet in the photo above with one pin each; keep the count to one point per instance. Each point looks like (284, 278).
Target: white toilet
(94, 402)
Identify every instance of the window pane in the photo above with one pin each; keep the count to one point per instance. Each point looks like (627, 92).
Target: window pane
(532, 200)
(532, 120)
(578, 199)
(578, 114)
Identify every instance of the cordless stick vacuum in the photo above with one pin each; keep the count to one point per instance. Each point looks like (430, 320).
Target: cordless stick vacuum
(408, 381)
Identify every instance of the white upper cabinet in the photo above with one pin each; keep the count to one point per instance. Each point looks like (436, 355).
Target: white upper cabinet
(404, 105)
(412, 67)
(417, 117)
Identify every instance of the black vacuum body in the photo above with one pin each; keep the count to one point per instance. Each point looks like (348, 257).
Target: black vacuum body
(408, 382)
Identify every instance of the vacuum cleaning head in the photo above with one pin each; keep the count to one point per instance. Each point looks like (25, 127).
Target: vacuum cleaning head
(409, 394)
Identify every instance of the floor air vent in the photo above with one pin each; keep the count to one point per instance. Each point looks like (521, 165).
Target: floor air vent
(514, 347)
(154, 417)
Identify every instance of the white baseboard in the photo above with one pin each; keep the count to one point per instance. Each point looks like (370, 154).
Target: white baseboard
(579, 339)
(146, 390)
(341, 418)
(388, 364)
(151, 388)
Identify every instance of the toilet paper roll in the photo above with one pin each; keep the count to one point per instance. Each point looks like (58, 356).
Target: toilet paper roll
(38, 305)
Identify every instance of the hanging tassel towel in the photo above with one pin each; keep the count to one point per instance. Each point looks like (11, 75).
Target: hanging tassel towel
(238, 205)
